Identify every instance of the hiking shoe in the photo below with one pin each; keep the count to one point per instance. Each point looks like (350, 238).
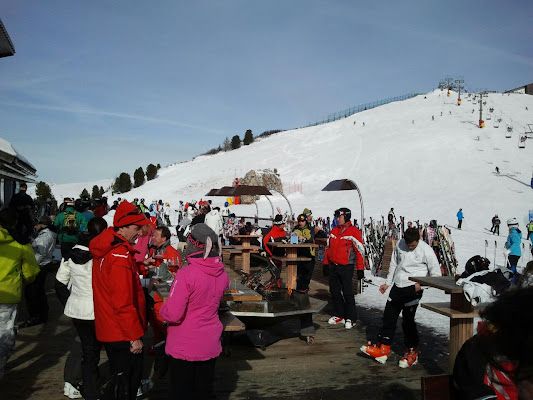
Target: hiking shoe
(349, 324)
(71, 392)
(410, 358)
(379, 352)
(146, 385)
(336, 320)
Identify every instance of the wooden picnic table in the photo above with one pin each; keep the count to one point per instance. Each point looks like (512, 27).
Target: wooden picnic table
(245, 248)
(291, 259)
(230, 322)
(459, 310)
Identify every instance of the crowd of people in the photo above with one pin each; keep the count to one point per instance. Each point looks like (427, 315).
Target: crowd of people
(113, 260)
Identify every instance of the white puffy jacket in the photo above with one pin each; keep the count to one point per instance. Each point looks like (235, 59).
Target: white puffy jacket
(76, 273)
(214, 220)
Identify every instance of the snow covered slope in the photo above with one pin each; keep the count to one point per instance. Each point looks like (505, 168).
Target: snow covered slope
(425, 169)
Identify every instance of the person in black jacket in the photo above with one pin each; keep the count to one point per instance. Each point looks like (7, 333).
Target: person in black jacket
(23, 204)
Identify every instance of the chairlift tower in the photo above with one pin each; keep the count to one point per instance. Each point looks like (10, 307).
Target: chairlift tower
(481, 94)
(459, 87)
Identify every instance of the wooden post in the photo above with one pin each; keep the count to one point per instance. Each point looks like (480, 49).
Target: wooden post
(292, 267)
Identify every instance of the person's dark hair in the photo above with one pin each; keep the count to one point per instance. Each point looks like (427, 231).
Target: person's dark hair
(8, 219)
(509, 321)
(96, 226)
(411, 235)
(23, 185)
(165, 232)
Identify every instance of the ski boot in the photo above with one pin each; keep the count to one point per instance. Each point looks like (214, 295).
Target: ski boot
(410, 358)
(379, 352)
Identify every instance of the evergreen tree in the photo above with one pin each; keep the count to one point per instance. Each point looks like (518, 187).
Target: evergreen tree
(102, 191)
(227, 144)
(84, 194)
(248, 137)
(138, 177)
(115, 187)
(235, 142)
(95, 192)
(151, 172)
(124, 182)
(158, 166)
(43, 193)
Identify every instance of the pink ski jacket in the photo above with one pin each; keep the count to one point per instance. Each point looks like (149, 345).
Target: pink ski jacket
(191, 311)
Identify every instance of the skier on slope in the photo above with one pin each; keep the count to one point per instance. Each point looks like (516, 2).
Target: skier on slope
(460, 218)
(495, 225)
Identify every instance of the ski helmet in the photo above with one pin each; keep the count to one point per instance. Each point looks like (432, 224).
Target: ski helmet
(512, 222)
(344, 211)
(226, 204)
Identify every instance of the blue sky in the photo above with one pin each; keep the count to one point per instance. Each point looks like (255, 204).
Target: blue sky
(98, 87)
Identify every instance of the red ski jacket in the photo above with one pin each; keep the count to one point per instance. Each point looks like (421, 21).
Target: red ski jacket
(170, 252)
(275, 233)
(342, 241)
(119, 303)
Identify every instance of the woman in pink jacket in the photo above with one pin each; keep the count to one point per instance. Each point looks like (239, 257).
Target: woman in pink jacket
(191, 311)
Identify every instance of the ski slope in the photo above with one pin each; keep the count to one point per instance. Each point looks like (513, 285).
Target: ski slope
(426, 169)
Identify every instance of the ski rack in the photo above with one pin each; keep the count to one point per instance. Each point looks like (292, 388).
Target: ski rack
(446, 251)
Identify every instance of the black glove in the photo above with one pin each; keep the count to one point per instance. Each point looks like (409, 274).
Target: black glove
(360, 274)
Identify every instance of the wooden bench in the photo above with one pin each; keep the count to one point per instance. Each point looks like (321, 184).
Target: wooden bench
(230, 322)
(436, 387)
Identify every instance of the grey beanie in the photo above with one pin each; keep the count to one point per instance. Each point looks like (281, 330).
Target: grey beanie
(202, 238)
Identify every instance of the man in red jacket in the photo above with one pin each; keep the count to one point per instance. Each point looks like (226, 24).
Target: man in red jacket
(119, 303)
(344, 255)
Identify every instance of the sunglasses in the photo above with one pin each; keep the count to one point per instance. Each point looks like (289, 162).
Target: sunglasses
(133, 212)
(338, 213)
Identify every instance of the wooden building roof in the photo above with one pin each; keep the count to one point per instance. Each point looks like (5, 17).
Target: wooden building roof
(6, 45)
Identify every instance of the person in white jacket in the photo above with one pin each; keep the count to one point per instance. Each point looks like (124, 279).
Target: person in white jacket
(214, 220)
(43, 247)
(411, 257)
(76, 272)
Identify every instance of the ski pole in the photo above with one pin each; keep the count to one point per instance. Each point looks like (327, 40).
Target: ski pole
(486, 245)
(495, 245)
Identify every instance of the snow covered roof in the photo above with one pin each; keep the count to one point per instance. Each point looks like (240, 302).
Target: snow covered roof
(13, 164)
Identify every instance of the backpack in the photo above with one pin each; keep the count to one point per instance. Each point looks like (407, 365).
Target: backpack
(70, 226)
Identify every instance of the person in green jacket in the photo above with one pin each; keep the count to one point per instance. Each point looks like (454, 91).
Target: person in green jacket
(17, 265)
(70, 224)
(305, 268)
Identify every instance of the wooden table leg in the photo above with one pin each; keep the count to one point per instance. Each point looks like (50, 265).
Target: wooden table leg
(246, 260)
(292, 267)
(461, 329)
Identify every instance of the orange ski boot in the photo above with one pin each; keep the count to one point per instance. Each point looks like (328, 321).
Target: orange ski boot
(379, 352)
(410, 358)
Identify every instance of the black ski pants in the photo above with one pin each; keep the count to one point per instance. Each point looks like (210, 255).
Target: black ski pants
(90, 358)
(193, 380)
(304, 274)
(126, 370)
(401, 300)
(341, 289)
(460, 222)
(35, 295)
